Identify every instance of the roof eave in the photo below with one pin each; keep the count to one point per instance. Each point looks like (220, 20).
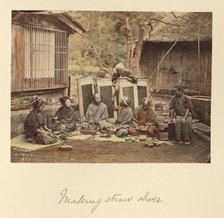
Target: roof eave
(69, 21)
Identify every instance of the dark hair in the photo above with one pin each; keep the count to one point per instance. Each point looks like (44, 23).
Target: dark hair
(38, 102)
(63, 99)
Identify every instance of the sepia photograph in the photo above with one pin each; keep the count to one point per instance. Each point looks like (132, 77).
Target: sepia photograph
(112, 109)
(111, 86)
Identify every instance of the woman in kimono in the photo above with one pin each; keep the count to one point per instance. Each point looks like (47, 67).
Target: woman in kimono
(65, 115)
(34, 126)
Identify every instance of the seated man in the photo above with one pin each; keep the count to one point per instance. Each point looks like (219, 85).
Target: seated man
(65, 115)
(180, 113)
(125, 116)
(121, 72)
(97, 113)
(34, 126)
(145, 118)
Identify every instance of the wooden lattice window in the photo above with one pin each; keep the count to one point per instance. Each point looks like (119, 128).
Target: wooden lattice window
(46, 58)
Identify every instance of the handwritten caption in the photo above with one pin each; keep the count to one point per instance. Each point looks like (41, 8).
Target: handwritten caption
(67, 199)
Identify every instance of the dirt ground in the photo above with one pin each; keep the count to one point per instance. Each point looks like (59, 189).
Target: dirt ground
(90, 151)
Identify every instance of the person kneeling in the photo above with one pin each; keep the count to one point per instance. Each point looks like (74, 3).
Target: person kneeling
(124, 118)
(65, 116)
(96, 114)
(34, 126)
(145, 118)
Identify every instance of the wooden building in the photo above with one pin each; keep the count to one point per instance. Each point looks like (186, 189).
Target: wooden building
(167, 59)
(39, 57)
(39, 60)
(181, 54)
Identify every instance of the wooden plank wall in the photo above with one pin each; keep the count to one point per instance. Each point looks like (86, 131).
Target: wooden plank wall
(18, 58)
(13, 59)
(180, 65)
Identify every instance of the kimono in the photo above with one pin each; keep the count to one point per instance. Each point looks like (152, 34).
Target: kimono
(146, 122)
(124, 115)
(144, 117)
(66, 116)
(124, 118)
(116, 76)
(125, 73)
(183, 130)
(33, 122)
(97, 115)
(98, 112)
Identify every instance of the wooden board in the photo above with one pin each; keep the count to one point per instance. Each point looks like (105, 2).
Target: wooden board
(106, 93)
(18, 58)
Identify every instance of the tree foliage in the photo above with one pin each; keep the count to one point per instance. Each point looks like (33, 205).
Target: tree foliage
(106, 40)
(104, 43)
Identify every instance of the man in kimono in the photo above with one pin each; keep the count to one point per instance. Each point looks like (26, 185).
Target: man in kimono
(121, 72)
(180, 113)
(97, 113)
(124, 117)
(145, 118)
(97, 110)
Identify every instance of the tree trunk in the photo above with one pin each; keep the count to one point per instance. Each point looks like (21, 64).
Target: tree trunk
(138, 49)
(129, 44)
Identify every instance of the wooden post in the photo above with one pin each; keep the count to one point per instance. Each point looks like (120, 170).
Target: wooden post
(69, 86)
(20, 58)
(157, 74)
(13, 60)
(205, 90)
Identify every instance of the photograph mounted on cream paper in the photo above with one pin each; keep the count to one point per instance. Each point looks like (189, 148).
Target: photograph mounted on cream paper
(110, 87)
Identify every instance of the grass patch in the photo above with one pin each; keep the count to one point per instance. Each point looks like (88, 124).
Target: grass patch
(83, 70)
